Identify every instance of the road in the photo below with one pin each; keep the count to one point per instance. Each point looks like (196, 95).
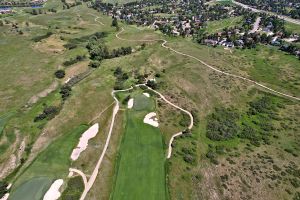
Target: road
(294, 21)
(255, 25)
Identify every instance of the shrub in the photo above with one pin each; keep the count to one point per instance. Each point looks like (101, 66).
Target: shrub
(65, 92)
(60, 73)
(48, 113)
(222, 124)
(94, 64)
(3, 190)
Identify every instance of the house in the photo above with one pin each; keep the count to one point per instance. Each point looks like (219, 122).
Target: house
(210, 42)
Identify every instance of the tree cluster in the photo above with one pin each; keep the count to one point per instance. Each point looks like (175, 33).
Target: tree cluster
(121, 77)
(72, 61)
(48, 113)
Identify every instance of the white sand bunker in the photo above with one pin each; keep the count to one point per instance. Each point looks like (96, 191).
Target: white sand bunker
(130, 103)
(83, 141)
(53, 192)
(151, 119)
(5, 197)
(146, 94)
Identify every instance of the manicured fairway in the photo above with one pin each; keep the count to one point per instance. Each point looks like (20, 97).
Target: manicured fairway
(141, 172)
(34, 189)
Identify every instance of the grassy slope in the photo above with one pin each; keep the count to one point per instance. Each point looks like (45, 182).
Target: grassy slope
(141, 150)
(294, 28)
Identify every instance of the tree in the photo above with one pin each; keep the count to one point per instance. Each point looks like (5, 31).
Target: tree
(201, 35)
(114, 22)
(60, 73)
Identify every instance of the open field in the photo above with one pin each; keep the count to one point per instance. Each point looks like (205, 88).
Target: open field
(141, 149)
(219, 25)
(294, 28)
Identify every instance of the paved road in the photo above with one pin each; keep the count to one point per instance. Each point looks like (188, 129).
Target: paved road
(255, 25)
(294, 21)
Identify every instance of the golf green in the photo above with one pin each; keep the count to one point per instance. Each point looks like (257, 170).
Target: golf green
(33, 189)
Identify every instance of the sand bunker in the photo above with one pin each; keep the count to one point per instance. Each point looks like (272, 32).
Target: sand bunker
(146, 94)
(5, 197)
(53, 192)
(151, 119)
(83, 141)
(70, 174)
(130, 103)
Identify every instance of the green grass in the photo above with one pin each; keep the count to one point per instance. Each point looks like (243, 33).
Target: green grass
(74, 189)
(4, 119)
(141, 102)
(33, 189)
(140, 169)
(219, 25)
(294, 28)
(54, 161)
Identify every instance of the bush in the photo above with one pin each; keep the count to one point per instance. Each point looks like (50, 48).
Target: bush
(48, 113)
(60, 73)
(296, 196)
(74, 60)
(39, 38)
(70, 46)
(3, 190)
(94, 64)
(65, 92)
(222, 124)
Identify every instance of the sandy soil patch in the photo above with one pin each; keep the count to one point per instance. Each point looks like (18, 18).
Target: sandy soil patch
(151, 119)
(52, 44)
(146, 94)
(5, 197)
(83, 141)
(130, 103)
(53, 192)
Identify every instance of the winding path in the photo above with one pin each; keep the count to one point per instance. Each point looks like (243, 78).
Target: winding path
(81, 174)
(96, 18)
(164, 42)
(179, 108)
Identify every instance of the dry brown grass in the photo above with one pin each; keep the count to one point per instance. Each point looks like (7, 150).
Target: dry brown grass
(52, 44)
(75, 69)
